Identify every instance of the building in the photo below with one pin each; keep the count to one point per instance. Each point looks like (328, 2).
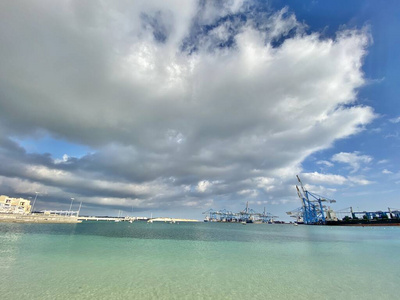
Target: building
(14, 205)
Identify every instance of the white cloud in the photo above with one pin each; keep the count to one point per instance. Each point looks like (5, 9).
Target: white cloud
(359, 180)
(325, 163)
(316, 177)
(332, 179)
(63, 160)
(155, 94)
(249, 193)
(203, 185)
(395, 120)
(320, 190)
(354, 159)
(385, 171)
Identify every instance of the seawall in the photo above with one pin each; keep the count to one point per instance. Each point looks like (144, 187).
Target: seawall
(16, 218)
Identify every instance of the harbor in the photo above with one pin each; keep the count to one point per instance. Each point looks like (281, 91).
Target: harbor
(245, 216)
(19, 210)
(314, 211)
(39, 218)
(135, 219)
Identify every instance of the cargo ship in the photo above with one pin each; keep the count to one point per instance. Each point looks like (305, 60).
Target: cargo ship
(315, 212)
(391, 217)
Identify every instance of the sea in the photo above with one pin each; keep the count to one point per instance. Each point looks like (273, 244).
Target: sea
(108, 260)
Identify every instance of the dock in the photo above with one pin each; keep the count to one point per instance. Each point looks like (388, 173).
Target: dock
(38, 218)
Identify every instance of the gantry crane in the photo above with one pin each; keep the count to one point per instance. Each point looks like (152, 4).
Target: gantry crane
(312, 208)
(247, 215)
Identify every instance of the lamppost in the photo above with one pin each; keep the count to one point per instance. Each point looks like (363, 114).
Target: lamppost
(79, 210)
(33, 205)
(72, 200)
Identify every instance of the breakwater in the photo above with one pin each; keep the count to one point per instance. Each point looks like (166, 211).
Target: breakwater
(33, 218)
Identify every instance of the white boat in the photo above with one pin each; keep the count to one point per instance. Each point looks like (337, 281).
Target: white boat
(119, 215)
(151, 218)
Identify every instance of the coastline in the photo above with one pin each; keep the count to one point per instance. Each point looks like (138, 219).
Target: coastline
(14, 218)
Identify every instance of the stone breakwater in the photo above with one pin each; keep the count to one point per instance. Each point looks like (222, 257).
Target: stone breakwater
(14, 218)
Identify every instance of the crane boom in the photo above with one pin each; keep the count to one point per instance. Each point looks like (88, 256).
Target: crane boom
(312, 210)
(301, 184)
(299, 193)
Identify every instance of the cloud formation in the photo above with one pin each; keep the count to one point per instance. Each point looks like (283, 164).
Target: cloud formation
(185, 102)
(354, 159)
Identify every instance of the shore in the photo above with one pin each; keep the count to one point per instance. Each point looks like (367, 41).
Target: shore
(174, 220)
(15, 218)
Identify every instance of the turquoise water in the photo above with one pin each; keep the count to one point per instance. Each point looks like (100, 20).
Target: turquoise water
(105, 260)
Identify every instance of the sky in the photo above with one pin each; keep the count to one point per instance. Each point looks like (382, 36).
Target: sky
(170, 108)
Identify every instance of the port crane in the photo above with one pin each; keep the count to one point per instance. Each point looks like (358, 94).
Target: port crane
(313, 212)
(297, 214)
(211, 215)
(312, 209)
(246, 215)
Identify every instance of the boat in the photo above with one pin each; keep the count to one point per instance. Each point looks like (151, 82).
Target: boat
(119, 216)
(151, 218)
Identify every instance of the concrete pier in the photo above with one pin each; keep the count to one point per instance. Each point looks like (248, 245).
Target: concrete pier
(37, 218)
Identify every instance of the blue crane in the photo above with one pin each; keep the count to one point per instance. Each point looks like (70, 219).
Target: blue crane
(312, 208)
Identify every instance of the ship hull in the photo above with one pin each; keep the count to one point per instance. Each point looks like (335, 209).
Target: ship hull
(388, 222)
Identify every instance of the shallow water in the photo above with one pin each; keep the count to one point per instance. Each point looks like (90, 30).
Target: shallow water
(106, 260)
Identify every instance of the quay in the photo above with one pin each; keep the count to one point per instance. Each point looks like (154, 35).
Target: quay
(38, 218)
(314, 212)
(170, 220)
(132, 219)
(19, 210)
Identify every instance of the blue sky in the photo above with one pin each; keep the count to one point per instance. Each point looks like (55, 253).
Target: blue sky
(380, 140)
(172, 109)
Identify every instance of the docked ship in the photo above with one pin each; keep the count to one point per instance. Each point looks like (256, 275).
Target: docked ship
(315, 212)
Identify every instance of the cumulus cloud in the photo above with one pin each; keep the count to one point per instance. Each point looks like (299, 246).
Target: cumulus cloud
(319, 178)
(331, 180)
(178, 102)
(203, 185)
(354, 159)
(321, 190)
(248, 193)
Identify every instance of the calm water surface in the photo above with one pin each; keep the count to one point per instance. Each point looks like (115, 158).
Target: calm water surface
(106, 260)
